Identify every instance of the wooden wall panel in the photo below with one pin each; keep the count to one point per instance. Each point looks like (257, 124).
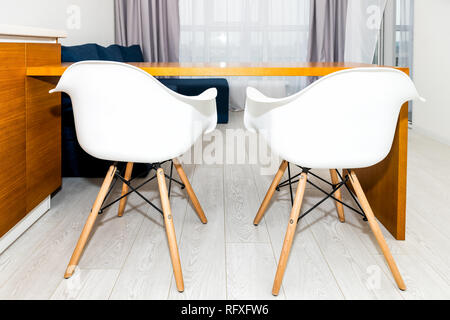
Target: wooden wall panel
(12, 135)
(43, 113)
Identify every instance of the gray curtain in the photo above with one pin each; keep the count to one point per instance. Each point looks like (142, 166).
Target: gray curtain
(327, 30)
(153, 24)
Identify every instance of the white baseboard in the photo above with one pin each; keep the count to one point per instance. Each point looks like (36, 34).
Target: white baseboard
(431, 135)
(23, 225)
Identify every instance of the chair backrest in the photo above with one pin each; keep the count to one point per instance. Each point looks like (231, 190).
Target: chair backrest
(124, 114)
(344, 120)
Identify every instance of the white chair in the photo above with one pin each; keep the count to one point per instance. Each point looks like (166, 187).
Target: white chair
(124, 114)
(346, 120)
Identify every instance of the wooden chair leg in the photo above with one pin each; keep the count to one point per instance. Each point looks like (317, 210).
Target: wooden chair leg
(190, 191)
(377, 231)
(90, 222)
(170, 230)
(292, 225)
(338, 195)
(270, 192)
(123, 201)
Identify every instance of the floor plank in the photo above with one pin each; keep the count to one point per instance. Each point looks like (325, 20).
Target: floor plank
(147, 273)
(112, 238)
(422, 282)
(38, 276)
(202, 247)
(128, 258)
(250, 271)
(63, 205)
(241, 204)
(348, 258)
(90, 284)
(307, 274)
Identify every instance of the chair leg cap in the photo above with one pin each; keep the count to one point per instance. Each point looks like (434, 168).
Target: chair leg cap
(69, 272)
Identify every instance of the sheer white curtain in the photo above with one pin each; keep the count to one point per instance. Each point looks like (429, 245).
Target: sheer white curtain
(246, 31)
(363, 29)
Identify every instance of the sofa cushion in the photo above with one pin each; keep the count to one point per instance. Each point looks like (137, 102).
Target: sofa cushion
(132, 53)
(111, 53)
(79, 53)
(93, 51)
(172, 87)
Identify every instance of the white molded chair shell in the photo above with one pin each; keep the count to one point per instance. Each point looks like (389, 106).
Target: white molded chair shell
(122, 113)
(344, 120)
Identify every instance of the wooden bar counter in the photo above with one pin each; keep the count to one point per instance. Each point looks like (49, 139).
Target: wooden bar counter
(384, 184)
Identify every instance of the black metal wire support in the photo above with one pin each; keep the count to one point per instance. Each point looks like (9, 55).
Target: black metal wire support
(117, 176)
(175, 180)
(170, 178)
(125, 195)
(328, 195)
(290, 184)
(288, 181)
(139, 194)
(353, 196)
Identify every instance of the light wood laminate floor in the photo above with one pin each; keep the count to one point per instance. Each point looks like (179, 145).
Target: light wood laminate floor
(229, 258)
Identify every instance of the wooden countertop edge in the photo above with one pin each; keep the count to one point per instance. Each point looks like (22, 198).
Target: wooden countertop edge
(58, 70)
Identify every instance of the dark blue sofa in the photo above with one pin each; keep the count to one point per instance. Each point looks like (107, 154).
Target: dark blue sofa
(76, 162)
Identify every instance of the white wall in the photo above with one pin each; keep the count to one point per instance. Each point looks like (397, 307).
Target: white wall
(432, 68)
(84, 20)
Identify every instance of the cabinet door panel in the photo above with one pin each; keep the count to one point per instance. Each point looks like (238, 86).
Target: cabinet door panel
(12, 135)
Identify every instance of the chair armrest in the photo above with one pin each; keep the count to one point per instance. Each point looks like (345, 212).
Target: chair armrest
(257, 103)
(205, 104)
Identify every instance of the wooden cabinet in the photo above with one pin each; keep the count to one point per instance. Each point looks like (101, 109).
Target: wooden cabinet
(30, 131)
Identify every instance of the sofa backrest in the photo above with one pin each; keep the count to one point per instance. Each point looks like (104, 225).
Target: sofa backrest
(92, 51)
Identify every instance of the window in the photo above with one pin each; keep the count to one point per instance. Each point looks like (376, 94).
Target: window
(397, 37)
(404, 17)
(244, 30)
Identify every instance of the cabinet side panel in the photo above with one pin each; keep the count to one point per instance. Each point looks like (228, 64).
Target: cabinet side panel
(43, 138)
